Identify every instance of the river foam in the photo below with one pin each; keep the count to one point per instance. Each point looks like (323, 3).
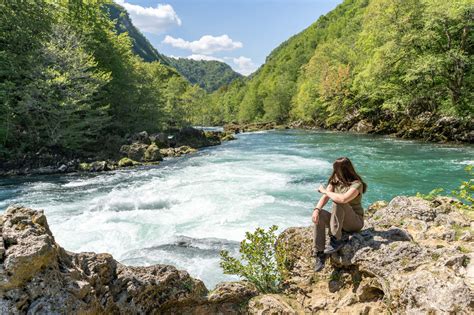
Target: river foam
(186, 210)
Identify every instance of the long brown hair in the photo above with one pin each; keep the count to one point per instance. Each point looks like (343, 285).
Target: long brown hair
(344, 174)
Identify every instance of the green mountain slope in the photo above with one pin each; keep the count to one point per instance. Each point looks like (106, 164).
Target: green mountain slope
(370, 59)
(141, 46)
(209, 75)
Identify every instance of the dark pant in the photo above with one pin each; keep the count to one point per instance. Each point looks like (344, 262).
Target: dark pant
(341, 218)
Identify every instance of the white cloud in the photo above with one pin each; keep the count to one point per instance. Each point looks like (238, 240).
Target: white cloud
(206, 45)
(204, 57)
(152, 20)
(244, 65)
(199, 57)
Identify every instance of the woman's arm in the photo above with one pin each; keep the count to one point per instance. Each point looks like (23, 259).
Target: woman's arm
(324, 198)
(321, 203)
(346, 197)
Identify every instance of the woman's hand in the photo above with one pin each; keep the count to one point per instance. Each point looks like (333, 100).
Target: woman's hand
(321, 189)
(315, 216)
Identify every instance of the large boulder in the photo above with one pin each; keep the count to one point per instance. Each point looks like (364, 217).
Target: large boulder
(37, 276)
(194, 138)
(363, 126)
(175, 152)
(152, 154)
(413, 256)
(134, 151)
(140, 137)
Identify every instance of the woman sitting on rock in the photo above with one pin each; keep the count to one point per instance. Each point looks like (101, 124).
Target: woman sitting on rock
(345, 189)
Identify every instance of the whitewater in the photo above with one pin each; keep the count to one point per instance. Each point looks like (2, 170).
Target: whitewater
(184, 211)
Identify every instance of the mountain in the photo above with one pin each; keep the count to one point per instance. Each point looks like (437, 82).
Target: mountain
(141, 46)
(208, 74)
(384, 62)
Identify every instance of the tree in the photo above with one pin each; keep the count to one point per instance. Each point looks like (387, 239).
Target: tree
(62, 106)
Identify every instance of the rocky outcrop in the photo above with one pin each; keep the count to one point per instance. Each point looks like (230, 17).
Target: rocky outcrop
(426, 126)
(139, 149)
(175, 152)
(363, 126)
(37, 276)
(234, 128)
(413, 257)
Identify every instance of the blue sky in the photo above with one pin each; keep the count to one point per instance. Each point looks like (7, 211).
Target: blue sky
(239, 32)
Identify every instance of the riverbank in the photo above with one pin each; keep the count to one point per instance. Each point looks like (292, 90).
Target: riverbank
(426, 127)
(139, 149)
(412, 256)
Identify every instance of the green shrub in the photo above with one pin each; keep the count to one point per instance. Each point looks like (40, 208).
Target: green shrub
(465, 191)
(431, 195)
(262, 260)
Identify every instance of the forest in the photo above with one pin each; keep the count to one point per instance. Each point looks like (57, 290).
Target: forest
(71, 84)
(77, 78)
(374, 59)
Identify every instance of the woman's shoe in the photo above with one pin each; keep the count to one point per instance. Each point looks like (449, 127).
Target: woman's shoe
(334, 245)
(320, 260)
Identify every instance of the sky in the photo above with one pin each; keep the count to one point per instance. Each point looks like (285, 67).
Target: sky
(241, 33)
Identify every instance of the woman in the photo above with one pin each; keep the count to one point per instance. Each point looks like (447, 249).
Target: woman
(345, 189)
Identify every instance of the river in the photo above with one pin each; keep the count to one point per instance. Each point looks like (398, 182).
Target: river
(184, 211)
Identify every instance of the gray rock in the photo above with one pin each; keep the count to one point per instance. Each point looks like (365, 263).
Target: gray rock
(37, 276)
(400, 261)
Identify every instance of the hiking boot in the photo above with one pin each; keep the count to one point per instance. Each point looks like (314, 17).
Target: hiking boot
(334, 245)
(320, 258)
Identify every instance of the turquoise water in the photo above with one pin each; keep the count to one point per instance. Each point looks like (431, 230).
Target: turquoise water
(186, 210)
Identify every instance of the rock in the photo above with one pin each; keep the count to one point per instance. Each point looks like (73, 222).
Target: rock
(140, 137)
(62, 168)
(363, 126)
(100, 166)
(269, 304)
(227, 137)
(160, 139)
(175, 152)
(152, 154)
(401, 260)
(38, 276)
(84, 167)
(125, 162)
(134, 151)
(233, 291)
(195, 138)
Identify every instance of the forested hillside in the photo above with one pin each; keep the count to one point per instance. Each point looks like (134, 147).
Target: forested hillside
(208, 74)
(369, 59)
(71, 85)
(140, 45)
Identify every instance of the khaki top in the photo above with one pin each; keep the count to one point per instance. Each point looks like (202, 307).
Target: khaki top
(355, 203)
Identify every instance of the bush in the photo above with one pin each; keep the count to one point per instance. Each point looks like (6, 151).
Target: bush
(465, 192)
(262, 260)
(431, 195)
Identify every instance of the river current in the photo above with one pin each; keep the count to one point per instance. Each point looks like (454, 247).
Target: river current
(184, 211)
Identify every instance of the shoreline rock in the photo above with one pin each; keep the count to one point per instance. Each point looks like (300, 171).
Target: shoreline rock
(141, 149)
(410, 258)
(413, 256)
(37, 276)
(425, 127)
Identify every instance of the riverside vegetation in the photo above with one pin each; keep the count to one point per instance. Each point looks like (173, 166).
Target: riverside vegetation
(74, 84)
(380, 66)
(71, 85)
